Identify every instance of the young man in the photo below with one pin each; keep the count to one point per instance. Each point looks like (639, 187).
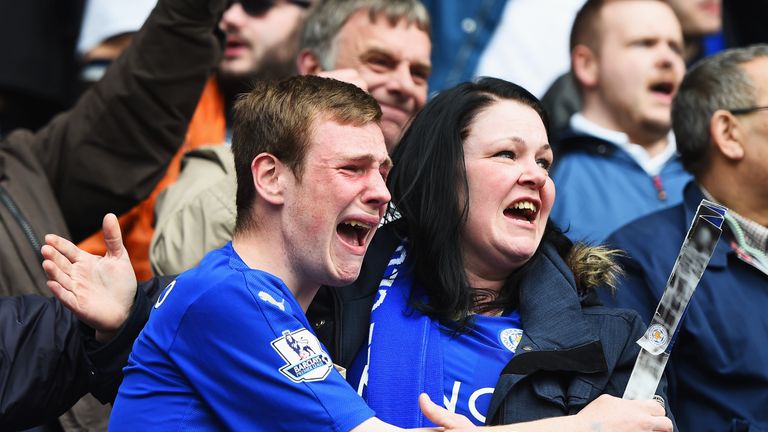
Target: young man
(381, 45)
(717, 372)
(311, 166)
(619, 160)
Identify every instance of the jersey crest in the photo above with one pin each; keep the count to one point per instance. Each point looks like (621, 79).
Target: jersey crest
(305, 358)
(510, 337)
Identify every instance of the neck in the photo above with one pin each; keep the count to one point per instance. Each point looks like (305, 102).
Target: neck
(652, 138)
(742, 199)
(260, 251)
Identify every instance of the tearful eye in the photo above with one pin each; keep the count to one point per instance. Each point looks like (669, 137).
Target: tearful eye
(351, 168)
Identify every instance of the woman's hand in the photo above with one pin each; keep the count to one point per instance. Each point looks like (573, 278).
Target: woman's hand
(608, 413)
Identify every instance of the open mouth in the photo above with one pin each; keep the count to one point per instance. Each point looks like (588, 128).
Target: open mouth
(522, 210)
(663, 88)
(353, 232)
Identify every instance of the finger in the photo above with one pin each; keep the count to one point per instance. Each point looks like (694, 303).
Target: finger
(57, 259)
(664, 424)
(65, 297)
(439, 415)
(654, 408)
(55, 274)
(112, 236)
(64, 246)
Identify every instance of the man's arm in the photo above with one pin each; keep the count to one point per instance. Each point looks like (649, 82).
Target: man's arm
(108, 152)
(42, 368)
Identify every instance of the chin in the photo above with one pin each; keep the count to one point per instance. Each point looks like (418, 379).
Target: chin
(344, 276)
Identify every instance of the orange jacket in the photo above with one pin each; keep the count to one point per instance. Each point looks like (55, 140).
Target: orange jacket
(208, 126)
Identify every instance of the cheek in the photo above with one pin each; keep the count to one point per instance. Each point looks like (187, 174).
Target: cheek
(548, 194)
(421, 97)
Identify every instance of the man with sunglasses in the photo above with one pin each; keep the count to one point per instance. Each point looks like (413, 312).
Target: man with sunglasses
(381, 45)
(717, 372)
(261, 42)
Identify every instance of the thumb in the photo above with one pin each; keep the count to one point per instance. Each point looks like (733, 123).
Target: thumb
(112, 236)
(441, 416)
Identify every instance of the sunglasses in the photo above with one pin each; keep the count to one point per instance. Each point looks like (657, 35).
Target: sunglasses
(260, 7)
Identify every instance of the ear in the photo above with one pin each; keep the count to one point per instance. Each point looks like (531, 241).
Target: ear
(267, 172)
(307, 63)
(584, 66)
(727, 134)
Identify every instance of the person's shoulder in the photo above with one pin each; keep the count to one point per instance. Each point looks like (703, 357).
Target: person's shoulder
(647, 232)
(215, 275)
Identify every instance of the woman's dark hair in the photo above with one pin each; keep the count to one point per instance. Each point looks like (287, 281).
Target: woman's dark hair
(430, 192)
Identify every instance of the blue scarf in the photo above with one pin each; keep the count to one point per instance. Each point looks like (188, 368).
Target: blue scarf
(406, 345)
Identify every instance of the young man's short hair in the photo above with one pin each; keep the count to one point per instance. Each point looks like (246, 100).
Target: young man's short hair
(278, 118)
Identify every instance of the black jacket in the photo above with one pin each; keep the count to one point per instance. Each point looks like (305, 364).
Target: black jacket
(573, 349)
(109, 151)
(44, 368)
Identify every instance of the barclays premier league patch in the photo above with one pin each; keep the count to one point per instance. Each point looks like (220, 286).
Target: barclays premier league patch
(305, 358)
(510, 338)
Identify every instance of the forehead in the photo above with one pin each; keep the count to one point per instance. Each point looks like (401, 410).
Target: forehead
(360, 34)
(757, 69)
(333, 141)
(505, 121)
(639, 18)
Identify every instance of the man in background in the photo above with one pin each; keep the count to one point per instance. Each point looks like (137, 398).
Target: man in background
(619, 159)
(717, 371)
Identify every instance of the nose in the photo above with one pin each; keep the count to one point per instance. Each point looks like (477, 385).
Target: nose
(232, 17)
(376, 194)
(668, 56)
(533, 176)
(401, 81)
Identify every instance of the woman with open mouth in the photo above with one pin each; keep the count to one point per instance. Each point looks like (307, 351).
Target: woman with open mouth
(485, 305)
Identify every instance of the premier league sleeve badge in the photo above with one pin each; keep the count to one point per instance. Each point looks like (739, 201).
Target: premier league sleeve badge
(306, 361)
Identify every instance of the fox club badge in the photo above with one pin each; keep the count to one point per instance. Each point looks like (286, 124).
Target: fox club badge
(657, 334)
(306, 360)
(510, 338)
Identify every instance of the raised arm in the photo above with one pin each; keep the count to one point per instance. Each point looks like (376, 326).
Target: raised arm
(108, 152)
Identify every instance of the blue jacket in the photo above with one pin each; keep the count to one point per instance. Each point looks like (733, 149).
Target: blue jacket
(718, 370)
(600, 187)
(460, 31)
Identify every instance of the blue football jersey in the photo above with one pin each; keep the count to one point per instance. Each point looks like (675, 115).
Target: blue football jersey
(229, 348)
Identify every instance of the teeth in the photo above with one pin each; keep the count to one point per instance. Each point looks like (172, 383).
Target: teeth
(355, 224)
(524, 205)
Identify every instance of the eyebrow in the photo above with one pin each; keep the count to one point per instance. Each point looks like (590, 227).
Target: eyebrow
(368, 159)
(518, 140)
(425, 67)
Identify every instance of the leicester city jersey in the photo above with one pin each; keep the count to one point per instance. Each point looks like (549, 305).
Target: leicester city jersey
(473, 361)
(229, 348)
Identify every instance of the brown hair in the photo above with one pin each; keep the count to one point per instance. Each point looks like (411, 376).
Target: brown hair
(278, 118)
(586, 29)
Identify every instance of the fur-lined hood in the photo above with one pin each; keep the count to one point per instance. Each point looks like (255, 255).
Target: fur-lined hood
(594, 266)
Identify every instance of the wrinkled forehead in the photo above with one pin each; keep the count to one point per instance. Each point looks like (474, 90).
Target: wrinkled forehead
(380, 29)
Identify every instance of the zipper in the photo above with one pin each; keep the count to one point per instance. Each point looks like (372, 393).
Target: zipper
(24, 224)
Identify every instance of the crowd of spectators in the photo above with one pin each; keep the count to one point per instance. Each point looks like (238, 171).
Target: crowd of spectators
(162, 112)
